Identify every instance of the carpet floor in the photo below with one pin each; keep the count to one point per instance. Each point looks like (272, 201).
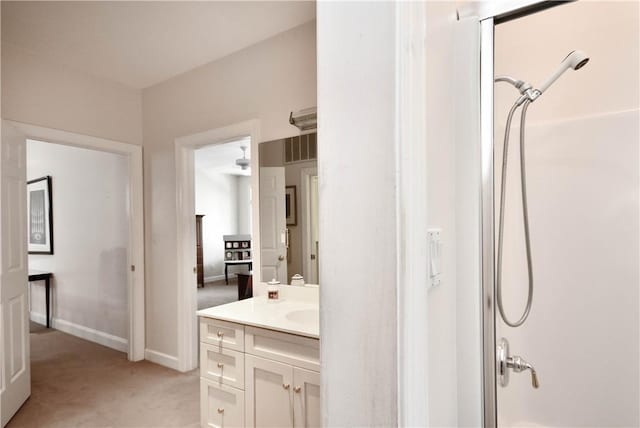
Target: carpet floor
(217, 293)
(76, 383)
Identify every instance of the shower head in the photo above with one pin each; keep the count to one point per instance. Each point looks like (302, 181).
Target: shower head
(575, 60)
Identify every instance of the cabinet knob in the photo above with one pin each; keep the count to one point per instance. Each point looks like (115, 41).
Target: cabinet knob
(220, 334)
(286, 386)
(220, 410)
(220, 365)
(297, 389)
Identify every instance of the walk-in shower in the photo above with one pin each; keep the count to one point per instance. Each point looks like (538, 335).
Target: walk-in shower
(528, 94)
(575, 60)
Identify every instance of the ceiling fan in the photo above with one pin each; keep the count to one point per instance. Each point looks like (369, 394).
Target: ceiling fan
(243, 162)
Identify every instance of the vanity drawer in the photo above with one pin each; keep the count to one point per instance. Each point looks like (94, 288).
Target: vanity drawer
(221, 406)
(287, 348)
(222, 365)
(222, 333)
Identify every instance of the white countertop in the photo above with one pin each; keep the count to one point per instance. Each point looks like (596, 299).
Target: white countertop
(289, 316)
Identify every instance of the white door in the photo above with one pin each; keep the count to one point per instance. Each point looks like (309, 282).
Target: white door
(273, 225)
(15, 373)
(306, 399)
(268, 393)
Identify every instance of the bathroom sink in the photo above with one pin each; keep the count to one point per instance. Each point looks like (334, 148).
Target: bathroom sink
(305, 316)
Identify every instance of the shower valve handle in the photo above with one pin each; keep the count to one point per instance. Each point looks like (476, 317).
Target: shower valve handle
(515, 363)
(518, 364)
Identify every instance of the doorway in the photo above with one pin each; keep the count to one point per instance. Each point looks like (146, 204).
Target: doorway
(548, 359)
(133, 252)
(185, 148)
(223, 222)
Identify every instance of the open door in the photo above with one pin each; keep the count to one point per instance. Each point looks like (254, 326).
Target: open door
(273, 228)
(15, 374)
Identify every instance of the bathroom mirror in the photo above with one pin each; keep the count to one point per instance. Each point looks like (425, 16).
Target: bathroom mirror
(289, 210)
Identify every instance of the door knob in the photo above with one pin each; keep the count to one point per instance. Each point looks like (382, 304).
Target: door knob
(516, 363)
(280, 257)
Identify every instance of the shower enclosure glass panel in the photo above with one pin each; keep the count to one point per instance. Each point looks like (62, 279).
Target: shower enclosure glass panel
(582, 172)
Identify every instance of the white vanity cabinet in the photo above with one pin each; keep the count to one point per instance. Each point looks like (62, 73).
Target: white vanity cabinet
(255, 377)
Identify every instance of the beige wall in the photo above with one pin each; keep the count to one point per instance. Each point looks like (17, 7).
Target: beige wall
(40, 92)
(265, 81)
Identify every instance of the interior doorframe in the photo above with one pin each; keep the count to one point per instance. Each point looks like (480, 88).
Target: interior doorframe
(135, 215)
(305, 194)
(489, 14)
(186, 224)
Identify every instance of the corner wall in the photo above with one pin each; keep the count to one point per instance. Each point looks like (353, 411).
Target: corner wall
(264, 81)
(39, 92)
(357, 173)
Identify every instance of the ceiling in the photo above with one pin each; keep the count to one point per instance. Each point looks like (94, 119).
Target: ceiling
(142, 43)
(221, 158)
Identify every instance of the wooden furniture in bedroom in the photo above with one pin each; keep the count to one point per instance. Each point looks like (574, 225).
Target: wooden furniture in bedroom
(35, 276)
(237, 251)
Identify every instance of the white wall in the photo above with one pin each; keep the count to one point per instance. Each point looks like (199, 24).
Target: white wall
(356, 111)
(244, 204)
(90, 241)
(265, 81)
(217, 199)
(442, 304)
(583, 186)
(40, 92)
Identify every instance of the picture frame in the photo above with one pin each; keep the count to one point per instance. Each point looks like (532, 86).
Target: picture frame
(291, 205)
(40, 215)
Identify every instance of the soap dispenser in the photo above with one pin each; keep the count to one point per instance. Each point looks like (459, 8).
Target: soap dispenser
(273, 290)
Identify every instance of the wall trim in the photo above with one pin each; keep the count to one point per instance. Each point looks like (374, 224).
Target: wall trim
(162, 359)
(213, 278)
(92, 335)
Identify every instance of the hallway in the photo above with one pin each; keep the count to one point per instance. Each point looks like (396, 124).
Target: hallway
(76, 383)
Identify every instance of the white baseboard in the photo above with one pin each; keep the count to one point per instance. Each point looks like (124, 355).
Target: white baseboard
(161, 358)
(96, 336)
(213, 278)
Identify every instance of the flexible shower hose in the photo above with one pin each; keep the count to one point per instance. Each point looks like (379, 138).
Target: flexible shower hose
(525, 216)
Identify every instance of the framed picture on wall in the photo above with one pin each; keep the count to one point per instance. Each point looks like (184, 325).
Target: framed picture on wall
(291, 204)
(40, 216)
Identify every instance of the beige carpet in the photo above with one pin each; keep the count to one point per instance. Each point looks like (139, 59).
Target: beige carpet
(218, 293)
(76, 383)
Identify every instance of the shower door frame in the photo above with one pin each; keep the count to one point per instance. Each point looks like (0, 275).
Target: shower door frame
(488, 15)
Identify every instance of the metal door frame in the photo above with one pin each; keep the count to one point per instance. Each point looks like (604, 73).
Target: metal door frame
(490, 14)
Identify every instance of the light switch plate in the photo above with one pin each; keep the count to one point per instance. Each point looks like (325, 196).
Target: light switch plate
(434, 245)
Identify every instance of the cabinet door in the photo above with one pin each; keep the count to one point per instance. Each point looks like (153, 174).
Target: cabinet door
(306, 398)
(220, 406)
(269, 393)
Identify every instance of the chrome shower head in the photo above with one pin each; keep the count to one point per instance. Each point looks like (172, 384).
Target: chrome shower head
(575, 60)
